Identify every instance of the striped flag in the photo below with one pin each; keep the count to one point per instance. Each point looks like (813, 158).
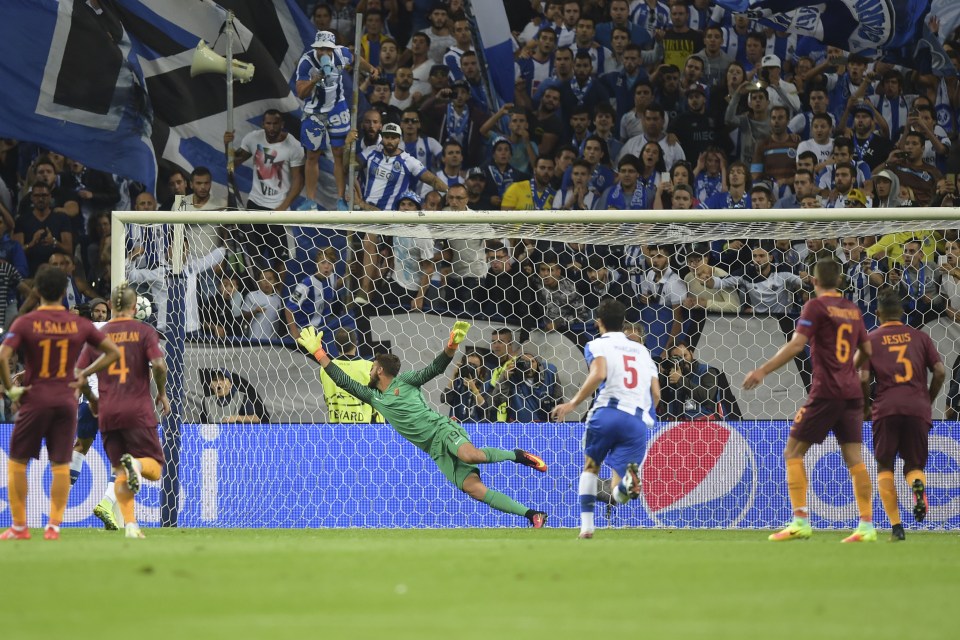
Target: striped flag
(497, 42)
(897, 31)
(102, 85)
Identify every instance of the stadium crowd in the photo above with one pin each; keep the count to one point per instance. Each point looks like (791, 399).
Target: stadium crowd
(618, 104)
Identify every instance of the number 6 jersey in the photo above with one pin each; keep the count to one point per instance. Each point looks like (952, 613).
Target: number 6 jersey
(834, 329)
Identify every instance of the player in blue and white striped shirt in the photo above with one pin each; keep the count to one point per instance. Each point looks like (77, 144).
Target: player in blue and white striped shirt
(629, 391)
(326, 109)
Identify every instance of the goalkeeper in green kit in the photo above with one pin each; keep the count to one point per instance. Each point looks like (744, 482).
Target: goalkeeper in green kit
(399, 400)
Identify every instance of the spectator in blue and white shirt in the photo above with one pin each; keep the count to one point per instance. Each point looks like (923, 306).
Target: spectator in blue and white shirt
(387, 171)
(424, 148)
(318, 299)
(326, 108)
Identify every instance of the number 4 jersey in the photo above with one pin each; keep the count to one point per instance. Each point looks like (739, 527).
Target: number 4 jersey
(834, 329)
(630, 370)
(125, 398)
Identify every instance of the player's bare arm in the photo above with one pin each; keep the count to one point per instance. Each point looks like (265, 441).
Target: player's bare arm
(13, 391)
(108, 355)
(864, 353)
(595, 377)
(785, 354)
(158, 366)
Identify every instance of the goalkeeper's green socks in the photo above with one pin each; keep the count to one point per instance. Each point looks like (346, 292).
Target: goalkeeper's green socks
(499, 455)
(504, 503)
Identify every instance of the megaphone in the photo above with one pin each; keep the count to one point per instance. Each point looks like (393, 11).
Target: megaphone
(206, 60)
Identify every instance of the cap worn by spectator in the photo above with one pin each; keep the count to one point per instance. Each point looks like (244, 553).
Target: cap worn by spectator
(460, 84)
(762, 186)
(855, 197)
(411, 196)
(886, 174)
(771, 61)
(476, 172)
(439, 70)
(391, 129)
(325, 40)
(696, 87)
(861, 107)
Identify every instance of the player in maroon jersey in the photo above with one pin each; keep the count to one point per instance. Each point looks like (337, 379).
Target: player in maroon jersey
(49, 340)
(902, 409)
(128, 423)
(838, 342)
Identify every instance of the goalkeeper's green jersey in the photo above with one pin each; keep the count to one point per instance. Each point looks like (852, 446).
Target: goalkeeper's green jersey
(402, 404)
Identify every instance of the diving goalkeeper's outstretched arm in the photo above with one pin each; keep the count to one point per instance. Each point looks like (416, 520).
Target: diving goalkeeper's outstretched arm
(311, 340)
(439, 364)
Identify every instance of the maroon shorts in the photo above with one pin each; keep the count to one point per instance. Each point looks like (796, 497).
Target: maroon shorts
(820, 416)
(140, 443)
(906, 435)
(57, 424)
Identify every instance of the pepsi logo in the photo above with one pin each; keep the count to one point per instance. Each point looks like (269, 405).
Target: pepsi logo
(698, 474)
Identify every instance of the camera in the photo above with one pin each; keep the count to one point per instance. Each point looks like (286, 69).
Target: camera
(468, 372)
(903, 154)
(523, 369)
(677, 362)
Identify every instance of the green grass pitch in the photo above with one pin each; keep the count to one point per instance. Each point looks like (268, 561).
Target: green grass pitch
(650, 584)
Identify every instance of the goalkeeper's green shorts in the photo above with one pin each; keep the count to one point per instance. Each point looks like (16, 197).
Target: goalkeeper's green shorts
(448, 439)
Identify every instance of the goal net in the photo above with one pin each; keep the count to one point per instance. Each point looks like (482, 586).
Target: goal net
(258, 441)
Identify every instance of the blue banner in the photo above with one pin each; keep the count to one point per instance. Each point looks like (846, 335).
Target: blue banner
(696, 475)
(111, 86)
(898, 29)
(72, 82)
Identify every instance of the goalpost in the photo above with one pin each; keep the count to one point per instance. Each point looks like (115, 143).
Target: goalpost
(297, 471)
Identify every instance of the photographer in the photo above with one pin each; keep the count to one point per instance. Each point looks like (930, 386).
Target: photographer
(528, 387)
(693, 390)
(465, 393)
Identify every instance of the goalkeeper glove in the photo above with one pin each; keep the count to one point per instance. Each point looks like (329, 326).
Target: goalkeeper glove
(458, 333)
(311, 340)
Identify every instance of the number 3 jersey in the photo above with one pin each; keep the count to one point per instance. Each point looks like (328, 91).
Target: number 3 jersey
(901, 358)
(834, 329)
(630, 370)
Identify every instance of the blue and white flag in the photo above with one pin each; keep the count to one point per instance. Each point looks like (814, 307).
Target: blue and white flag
(898, 30)
(99, 86)
(72, 81)
(190, 113)
(497, 42)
